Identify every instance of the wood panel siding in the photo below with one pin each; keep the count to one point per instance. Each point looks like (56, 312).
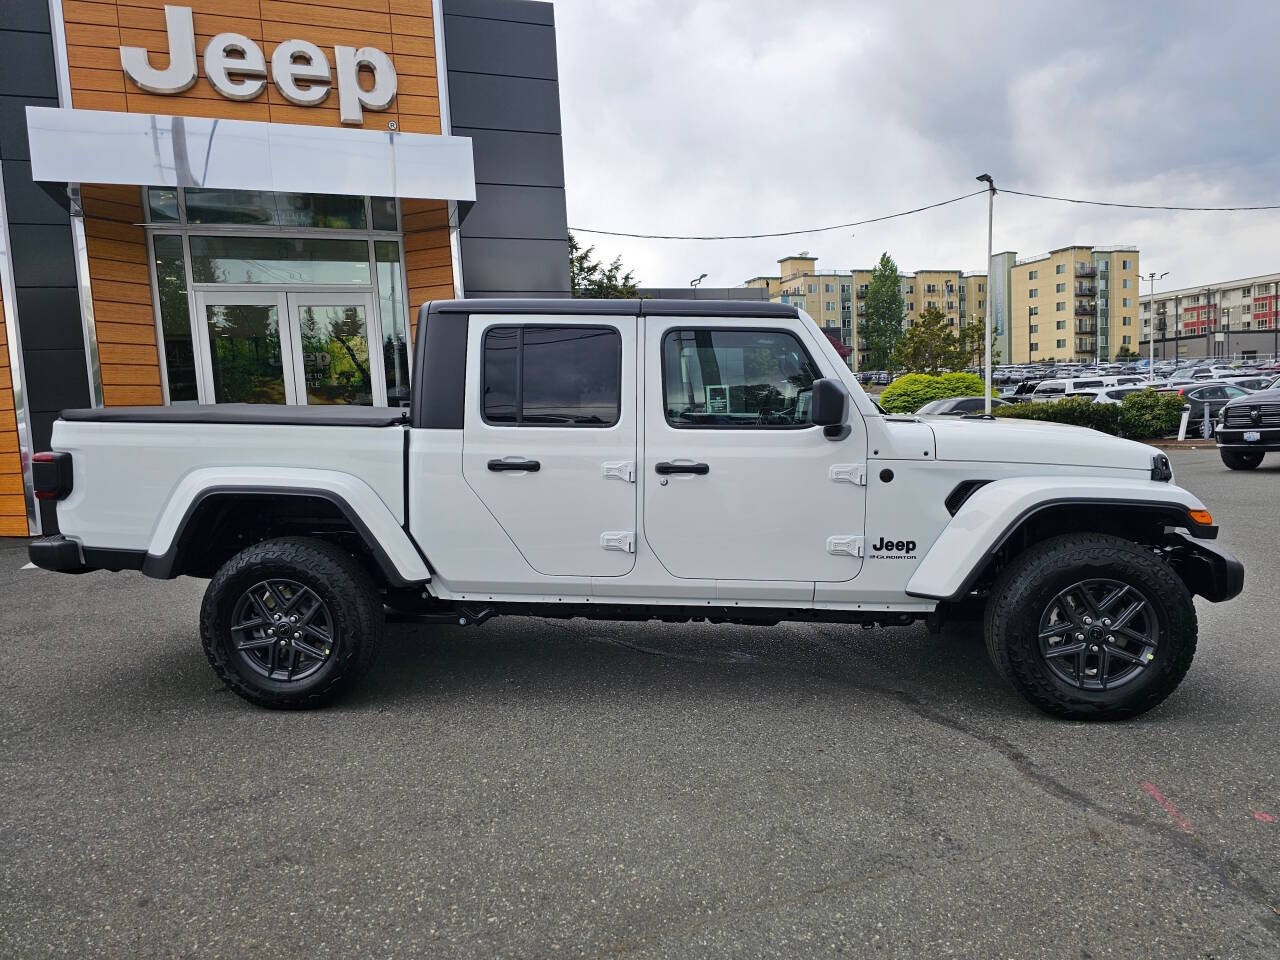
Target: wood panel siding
(13, 508)
(428, 266)
(118, 272)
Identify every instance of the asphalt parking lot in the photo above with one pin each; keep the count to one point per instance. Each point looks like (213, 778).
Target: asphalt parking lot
(526, 789)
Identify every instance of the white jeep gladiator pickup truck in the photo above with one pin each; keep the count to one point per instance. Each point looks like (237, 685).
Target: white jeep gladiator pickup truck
(640, 460)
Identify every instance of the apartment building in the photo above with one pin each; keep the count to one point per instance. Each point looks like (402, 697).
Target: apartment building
(837, 299)
(1077, 303)
(1234, 318)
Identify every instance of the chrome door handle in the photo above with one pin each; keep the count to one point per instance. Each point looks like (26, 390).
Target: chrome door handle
(502, 466)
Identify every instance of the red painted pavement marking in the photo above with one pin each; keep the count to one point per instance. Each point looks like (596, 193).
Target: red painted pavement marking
(1264, 817)
(1154, 792)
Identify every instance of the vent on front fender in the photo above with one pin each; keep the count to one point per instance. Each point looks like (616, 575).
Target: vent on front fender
(963, 491)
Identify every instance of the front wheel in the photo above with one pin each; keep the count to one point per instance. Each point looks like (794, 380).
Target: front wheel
(1091, 627)
(291, 623)
(1241, 459)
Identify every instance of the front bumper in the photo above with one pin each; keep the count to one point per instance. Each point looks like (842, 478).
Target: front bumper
(1207, 569)
(1233, 438)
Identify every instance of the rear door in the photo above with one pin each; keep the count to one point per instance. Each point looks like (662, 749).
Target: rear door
(549, 437)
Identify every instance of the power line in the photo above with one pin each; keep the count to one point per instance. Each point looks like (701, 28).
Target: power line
(783, 233)
(1138, 206)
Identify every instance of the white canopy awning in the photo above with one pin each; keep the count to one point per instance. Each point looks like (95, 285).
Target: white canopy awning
(101, 146)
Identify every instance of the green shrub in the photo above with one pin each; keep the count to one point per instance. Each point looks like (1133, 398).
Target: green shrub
(1077, 411)
(912, 391)
(1149, 414)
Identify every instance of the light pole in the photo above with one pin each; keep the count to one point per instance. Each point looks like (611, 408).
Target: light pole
(1029, 316)
(986, 360)
(1275, 322)
(1151, 336)
(697, 280)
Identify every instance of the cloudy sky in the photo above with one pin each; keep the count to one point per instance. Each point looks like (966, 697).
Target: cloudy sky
(743, 116)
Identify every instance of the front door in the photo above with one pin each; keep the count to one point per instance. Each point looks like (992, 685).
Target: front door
(739, 483)
(285, 347)
(549, 442)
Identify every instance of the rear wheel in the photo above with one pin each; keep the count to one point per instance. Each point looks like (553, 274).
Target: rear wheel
(1241, 459)
(291, 623)
(1091, 626)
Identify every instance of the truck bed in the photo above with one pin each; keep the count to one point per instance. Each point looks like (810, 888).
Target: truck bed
(247, 413)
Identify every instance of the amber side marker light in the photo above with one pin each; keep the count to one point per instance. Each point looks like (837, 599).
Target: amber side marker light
(1202, 517)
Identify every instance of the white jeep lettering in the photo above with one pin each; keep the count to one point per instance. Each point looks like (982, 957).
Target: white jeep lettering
(237, 69)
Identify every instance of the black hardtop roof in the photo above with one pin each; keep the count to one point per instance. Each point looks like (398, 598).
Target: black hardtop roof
(650, 308)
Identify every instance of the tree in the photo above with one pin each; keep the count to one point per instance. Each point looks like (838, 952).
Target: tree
(973, 341)
(590, 278)
(882, 326)
(929, 346)
(1124, 353)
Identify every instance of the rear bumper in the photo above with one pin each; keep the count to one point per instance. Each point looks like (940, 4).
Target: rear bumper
(1207, 569)
(62, 555)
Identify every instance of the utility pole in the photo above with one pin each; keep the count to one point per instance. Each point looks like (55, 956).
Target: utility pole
(1151, 343)
(1029, 316)
(991, 202)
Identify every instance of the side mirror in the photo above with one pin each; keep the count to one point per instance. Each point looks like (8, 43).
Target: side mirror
(827, 408)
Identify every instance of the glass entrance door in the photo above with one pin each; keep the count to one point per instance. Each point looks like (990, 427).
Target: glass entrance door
(246, 344)
(285, 347)
(339, 358)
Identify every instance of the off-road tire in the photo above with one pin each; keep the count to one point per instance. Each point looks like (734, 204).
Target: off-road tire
(1241, 459)
(352, 601)
(1028, 585)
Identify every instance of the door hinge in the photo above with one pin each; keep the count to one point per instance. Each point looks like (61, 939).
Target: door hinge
(619, 470)
(855, 473)
(624, 541)
(844, 546)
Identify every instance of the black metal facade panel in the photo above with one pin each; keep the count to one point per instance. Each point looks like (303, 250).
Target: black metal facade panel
(503, 103)
(13, 125)
(27, 201)
(504, 94)
(47, 301)
(517, 213)
(476, 44)
(515, 268)
(519, 11)
(516, 158)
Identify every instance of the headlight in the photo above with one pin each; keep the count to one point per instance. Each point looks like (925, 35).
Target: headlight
(1161, 469)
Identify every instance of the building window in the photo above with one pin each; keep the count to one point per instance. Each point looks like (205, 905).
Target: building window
(1060, 288)
(813, 288)
(1125, 302)
(982, 288)
(751, 379)
(830, 304)
(1125, 283)
(175, 318)
(951, 304)
(1061, 344)
(1034, 328)
(1126, 322)
(552, 376)
(1033, 292)
(1124, 264)
(911, 306)
(1246, 308)
(1035, 347)
(1060, 306)
(1033, 274)
(982, 305)
(1060, 268)
(1126, 339)
(1060, 325)
(1033, 311)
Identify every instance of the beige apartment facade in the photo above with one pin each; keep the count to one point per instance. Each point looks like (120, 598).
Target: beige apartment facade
(837, 299)
(1076, 303)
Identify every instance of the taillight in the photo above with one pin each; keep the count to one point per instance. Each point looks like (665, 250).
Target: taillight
(51, 475)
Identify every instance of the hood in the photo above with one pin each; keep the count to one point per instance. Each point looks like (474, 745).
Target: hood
(1034, 441)
(1262, 396)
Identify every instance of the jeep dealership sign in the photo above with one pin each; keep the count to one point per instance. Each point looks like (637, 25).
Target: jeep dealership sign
(237, 69)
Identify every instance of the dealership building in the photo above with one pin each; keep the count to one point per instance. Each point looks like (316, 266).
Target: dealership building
(219, 201)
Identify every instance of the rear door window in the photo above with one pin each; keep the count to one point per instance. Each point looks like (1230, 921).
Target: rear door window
(545, 376)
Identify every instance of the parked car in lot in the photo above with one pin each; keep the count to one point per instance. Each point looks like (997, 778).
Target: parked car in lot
(958, 406)
(1207, 397)
(1022, 393)
(1248, 428)
(1112, 395)
(637, 460)
(1261, 382)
